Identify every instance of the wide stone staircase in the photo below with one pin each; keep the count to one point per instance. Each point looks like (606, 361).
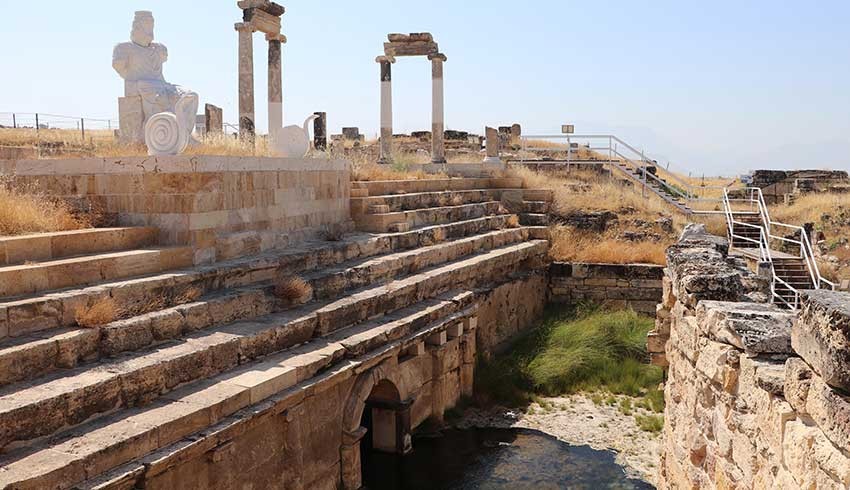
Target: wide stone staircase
(192, 348)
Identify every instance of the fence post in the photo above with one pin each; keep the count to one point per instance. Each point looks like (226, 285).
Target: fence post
(83, 129)
(36, 123)
(14, 122)
(37, 138)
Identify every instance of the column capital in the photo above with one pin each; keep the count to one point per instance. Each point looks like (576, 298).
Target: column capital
(385, 59)
(437, 56)
(244, 27)
(276, 37)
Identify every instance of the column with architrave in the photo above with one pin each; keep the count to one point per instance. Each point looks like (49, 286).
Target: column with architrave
(438, 149)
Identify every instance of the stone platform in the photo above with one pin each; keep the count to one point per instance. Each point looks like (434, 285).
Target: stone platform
(222, 207)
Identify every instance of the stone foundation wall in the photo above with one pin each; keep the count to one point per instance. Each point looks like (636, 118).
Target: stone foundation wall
(223, 206)
(307, 437)
(509, 309)
(636, 286)
(755, 395)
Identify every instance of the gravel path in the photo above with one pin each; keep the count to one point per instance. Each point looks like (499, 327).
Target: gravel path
(576, 420)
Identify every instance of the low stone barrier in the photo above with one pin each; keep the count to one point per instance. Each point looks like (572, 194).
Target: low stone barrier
(223, 206)
(636, 286)
(756, 395)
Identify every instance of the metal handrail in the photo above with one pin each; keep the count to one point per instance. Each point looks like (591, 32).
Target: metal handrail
(766, 235)
(677, 186)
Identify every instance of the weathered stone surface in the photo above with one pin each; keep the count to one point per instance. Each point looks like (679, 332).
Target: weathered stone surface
(753, 327)
(821, 335)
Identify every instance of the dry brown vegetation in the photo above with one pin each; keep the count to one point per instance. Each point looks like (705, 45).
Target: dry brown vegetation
(22, 213)
(293, 289)
(570, 245)
(98, 313)
(635, 237)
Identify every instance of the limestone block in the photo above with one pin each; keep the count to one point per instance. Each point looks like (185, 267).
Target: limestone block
(131, 120)
(214, 119)
(830, 410)
(821, 335)
(753, 327)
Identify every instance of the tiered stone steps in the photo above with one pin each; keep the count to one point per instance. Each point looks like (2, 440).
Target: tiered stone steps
(73, 258)
(201, 345)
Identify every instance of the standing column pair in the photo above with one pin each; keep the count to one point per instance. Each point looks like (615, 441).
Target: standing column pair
(438, 151)
(247, 121)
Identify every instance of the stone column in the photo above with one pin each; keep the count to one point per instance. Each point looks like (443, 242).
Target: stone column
(246, 80)
(492, 147)
(386, 108)
(320, 131)
(275, 82)
(438, 149)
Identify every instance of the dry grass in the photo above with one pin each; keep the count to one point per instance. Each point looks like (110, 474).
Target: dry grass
(293, 290)
(22, 213)
(809, 208)
(99, 313)
(570, 245)
(513, 221)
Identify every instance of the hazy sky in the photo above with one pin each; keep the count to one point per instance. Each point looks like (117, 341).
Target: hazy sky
(714, 87)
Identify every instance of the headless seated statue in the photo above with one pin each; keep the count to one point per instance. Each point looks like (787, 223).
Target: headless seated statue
(139, 63)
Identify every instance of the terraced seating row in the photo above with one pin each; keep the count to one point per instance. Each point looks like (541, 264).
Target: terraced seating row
(205, 345)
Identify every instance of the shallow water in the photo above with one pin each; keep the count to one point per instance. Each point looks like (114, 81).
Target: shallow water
(496, 459)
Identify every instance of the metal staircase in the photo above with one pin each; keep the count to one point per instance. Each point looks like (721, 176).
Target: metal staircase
(626, 161)
(754, 234)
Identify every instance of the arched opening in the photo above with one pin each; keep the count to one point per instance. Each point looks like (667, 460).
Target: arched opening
(386, 420)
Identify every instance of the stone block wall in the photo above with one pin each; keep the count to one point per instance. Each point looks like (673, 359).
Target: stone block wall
(222, 206)
(636, 286)
(756, 396)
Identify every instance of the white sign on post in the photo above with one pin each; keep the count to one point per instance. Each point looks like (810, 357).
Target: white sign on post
(568, 129)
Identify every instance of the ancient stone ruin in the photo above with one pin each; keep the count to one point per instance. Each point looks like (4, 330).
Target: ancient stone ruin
(415, 44)
(756, 395)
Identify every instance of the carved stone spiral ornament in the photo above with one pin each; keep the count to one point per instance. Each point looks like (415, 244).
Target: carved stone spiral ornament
(163, 135)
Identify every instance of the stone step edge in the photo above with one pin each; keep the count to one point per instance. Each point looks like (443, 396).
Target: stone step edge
(56, 274)
(58, 306)
(402, 215)
(46, 246)
(215, 350)
(361, 205)
(68, 347)
(227, 398)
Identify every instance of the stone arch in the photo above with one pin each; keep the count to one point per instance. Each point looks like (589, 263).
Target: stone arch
(384, 385)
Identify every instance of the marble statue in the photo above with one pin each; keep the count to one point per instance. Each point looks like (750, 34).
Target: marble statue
(168, 111)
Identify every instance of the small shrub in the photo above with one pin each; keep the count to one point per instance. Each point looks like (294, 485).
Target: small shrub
(611, 400)
(513, 221)
(596, 398)
(333, 233)
(99, 313)
(293, 289)
(650, 423)
(456, 200)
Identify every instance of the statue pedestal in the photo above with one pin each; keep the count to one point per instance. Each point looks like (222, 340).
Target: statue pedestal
(131, 120)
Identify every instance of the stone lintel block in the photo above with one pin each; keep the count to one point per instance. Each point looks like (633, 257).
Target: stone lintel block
(414, 48)
(262, 21)
(821, 335)
(266, 6)
(412, 37)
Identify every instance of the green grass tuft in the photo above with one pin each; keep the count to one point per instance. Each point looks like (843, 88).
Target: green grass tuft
(650, 423)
